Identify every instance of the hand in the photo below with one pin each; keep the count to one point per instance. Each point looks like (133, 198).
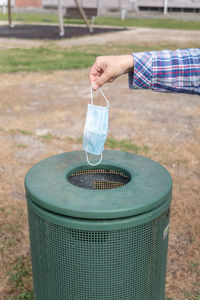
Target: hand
(108, 68)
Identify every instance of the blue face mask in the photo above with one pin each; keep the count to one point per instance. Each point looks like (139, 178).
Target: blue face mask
(96, 129)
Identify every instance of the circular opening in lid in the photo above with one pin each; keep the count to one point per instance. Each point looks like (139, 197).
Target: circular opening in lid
(99, 178)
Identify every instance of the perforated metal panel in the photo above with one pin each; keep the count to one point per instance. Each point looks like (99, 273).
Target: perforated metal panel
(99, 179)
(73, 264)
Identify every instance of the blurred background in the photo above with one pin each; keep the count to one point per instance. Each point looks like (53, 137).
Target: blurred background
(46, 50)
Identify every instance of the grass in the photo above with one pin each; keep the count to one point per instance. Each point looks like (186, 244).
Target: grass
(20, 279)
(47, 136)
(152, 23)
(25, 132)
(193, 264)
(111, 143)
(22, 146)
(28, 17)
(143, 22)
(125, 145)
(188, 296)
(22, 131)
(23, 296)
(43, 59)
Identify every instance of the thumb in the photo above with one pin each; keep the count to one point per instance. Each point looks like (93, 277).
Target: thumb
(105, 77)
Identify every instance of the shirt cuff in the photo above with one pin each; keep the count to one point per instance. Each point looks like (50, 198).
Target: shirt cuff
(141, 77)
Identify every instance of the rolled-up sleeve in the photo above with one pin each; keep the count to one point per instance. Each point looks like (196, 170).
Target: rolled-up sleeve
(142, 75)
(167, 71)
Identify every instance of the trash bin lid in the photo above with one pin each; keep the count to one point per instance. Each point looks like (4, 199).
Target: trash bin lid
(123, 185)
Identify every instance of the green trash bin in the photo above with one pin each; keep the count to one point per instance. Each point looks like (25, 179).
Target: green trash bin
(98, 233)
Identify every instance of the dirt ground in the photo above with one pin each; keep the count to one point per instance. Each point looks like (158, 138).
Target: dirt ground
(44, 114)
(139, 36)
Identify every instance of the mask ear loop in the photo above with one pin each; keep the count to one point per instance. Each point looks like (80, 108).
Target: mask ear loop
(91, 164)
(91, 94)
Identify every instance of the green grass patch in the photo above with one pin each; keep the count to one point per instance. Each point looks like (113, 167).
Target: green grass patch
(193, 264)
(152, 23)
(139, 22)
(28, 17)
(43, 59)
(24, 296)
(79, 139)
(20, 279)
(188, 296)
(25, 132)
(56, 58)
(22, 131)
(125, 145)
(22, 146)
(48, 136)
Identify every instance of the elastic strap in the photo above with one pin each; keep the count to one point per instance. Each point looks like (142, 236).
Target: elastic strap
(91, 94)
(91, 164)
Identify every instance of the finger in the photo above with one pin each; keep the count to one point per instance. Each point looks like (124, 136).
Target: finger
(94, 74)
(95, 87)
(105, 77)
(93, 71)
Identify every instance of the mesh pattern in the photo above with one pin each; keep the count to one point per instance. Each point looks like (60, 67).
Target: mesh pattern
(71, 264)
(106, 185)
(99, 179)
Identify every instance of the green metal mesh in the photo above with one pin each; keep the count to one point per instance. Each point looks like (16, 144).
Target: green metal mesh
(98, 179)
(72, 264)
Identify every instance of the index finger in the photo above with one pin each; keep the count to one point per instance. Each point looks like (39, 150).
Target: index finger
(94, 73)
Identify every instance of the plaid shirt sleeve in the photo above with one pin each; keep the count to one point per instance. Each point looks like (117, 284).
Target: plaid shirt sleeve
(167, 71)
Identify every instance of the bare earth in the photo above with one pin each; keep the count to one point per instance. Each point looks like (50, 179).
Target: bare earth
(142, 36)
(35, 104)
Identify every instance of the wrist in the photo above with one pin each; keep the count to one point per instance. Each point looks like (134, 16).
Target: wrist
(129, 63)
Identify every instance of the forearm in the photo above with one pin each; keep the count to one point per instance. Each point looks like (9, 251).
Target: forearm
(167, 71)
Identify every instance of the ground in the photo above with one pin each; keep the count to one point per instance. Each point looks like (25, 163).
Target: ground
(43, 114)
(49, 32)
